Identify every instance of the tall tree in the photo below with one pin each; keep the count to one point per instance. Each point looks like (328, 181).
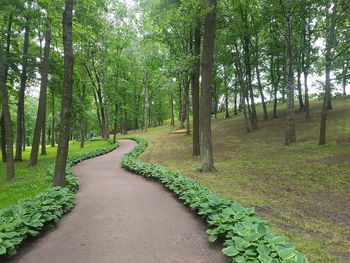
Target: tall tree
(195, 90)
(10, 172)
(41, 115)
(289, 75)
(330, 40)
(67, 97)
(207, 160)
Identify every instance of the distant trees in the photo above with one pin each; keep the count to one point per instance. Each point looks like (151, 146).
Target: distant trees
(137, 68)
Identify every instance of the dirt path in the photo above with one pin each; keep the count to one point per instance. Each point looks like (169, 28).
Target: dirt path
(123, 218)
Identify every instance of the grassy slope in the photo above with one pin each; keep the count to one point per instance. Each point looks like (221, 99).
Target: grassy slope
(302, 189)
(30, 181)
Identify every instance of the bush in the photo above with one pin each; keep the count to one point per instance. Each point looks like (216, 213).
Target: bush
(30, 215)
(248, 238)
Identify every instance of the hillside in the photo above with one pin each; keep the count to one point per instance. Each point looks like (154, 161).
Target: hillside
(303, 190)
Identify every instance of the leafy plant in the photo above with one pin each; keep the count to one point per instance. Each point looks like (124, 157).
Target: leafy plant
(30, 215)
(248, 238)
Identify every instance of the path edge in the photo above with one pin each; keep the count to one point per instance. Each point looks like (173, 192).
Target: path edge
(30, 216)
(246, 236)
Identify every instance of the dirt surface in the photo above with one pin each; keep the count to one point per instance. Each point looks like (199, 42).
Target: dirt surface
(122, 217)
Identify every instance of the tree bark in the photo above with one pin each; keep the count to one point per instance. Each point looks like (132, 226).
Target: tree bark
(227, 113)
(305, 61)
(172, 117)
(66, 106)
(10, 171)
(41, 115)
(3, 138)
(344, 74)
(300, 93)
(145, 104)
(207, 161)
(290, 123)
(195, 91)
(235, 106)
(21, 94)
(43, 135)
(53, 120)
(330, 40)
(187, 96)
(266, 117)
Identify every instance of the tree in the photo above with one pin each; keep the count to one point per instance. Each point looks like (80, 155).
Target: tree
(10, 172)
(66, 104)
(195, 90)
(21, 93)
(330, 40)
(290, 124)
(41, 115)
(207, 161)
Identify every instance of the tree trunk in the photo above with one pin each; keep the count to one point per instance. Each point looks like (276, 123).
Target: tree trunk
(290, 123)
(307, 103)
(305, 61)
(43, 134)
(235, 106)
(3, 138)
(115, 124)
(344, 80)
(21, 94)
(145, 104)
(195, 91)
(330, 40)
(266, 117)
(10, 171)
(183, 113)
(24, 132)
(41, 115)
(53, 121)
(187, 96)
(254, 118)
(227, 113)
(66, 106)
(300, 93)
(207, 161)
(274, 85)
(172, 121)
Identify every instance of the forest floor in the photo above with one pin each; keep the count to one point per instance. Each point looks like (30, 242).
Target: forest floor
(122, 217)
(30, 181)
(303, 190)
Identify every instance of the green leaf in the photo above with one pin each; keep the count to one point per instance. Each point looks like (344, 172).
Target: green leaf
(262, 229)
(263, 250)
(265, 259)
(213, 238)
(230, 251)
(279, 240)
(2, 250)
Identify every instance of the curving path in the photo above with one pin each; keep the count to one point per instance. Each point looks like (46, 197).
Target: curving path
(123, 218)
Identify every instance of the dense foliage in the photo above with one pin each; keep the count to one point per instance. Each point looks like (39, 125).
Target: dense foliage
(31, 215)
(247, 237)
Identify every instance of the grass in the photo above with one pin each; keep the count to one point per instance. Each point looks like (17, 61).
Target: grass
(303, 189)
(30, 181)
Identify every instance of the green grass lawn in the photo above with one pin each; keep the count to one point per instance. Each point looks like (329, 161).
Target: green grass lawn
(30, 181)
(303, 190)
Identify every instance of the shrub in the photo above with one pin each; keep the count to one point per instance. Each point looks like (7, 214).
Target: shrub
(248, 238)
(30, 215)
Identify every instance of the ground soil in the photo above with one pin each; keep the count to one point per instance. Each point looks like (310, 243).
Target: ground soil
(122, 217)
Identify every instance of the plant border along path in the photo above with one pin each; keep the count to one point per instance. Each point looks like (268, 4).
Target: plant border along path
(31, 215)
(248, 238)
